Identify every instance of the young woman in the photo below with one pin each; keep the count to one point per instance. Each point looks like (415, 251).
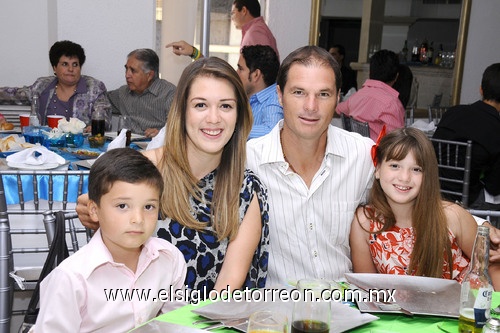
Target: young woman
(218, 224)
(406, 228)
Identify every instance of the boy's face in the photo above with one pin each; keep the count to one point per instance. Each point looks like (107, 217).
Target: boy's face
(127, 215)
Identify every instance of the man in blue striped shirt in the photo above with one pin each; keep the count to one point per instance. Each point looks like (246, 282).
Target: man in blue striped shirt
(258, 67)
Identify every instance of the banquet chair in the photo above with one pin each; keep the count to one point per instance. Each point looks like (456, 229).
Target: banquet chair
(26, 200)
(409, 116)
(436, 113)
(491, 216)
(352, 125)
(454, 163)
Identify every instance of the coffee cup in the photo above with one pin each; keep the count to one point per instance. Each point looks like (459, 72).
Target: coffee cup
(53, 120)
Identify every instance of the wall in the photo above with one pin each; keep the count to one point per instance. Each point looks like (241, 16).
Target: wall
(107, 30)
(290, 33)
(482, 47)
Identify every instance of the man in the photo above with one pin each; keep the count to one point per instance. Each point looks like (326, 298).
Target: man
(377, 102)
(245, 15)
(316, 174)
(348, 75)
(479, 122)
(257, 68)
(146, 98)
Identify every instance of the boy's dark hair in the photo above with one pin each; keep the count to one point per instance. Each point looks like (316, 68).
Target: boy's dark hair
(253, 6)
(384, 66)
(264, 58)
(66, 48)
(122, 164)
(490, 83)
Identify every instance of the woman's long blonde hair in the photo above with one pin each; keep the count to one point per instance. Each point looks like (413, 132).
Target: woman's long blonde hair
(180, 183)
(428, 217)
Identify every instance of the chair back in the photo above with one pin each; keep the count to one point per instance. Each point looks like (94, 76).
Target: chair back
(491, 216)
(454, 163)
(436, 113)
(409, 116)
(27, 199)
(352, 125)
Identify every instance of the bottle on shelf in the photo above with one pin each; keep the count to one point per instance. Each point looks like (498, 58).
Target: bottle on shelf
(430, 53)
(439, 57)
(423, 51)
(415, 52)
(404, 53)
(35, 107)
(475, 296)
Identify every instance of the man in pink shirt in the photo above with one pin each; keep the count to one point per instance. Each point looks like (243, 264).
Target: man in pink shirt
(245, 15)
(377, 102)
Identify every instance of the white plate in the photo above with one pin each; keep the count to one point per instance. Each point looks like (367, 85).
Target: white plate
(113, 135)
(15, 130)
(45, 166)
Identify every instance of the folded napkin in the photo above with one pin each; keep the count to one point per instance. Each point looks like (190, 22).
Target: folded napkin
(158, 140)
(424, 125)
(37, 155)
(120, 141)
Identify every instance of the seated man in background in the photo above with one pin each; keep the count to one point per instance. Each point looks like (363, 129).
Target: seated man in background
(479, 122)
(146, 98)
(377, 102)
(348, 75)
(257, 68)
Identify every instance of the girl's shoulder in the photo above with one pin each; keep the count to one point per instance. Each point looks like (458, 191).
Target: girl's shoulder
(361, 218)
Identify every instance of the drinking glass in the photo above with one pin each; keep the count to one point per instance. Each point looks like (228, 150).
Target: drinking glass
(312, 312)
(267, 322)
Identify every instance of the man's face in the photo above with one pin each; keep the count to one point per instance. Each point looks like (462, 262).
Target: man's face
(137, 79)
(237, 17)
(245, 76)
(335, 53)
(309, 100)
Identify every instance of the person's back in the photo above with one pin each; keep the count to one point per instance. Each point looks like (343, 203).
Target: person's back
(377, 102)
(479, 122)
(110, 284)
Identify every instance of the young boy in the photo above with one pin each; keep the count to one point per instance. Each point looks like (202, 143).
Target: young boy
(113, 283)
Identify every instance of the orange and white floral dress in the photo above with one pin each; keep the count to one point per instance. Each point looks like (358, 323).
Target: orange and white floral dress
(391, 251)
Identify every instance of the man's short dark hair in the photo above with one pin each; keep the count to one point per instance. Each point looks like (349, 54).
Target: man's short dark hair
(384, 66)
(122, 164)
(340, 48)
(263, 58)
(490, 83)
(253, 6)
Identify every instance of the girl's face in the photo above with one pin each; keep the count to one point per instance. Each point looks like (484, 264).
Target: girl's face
(400, 180)
(210, 116)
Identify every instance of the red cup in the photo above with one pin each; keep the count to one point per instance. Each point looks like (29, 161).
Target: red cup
(53, 120)
(24, 119)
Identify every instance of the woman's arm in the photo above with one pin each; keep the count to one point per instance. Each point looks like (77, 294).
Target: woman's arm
(240, 250)
(361, 257)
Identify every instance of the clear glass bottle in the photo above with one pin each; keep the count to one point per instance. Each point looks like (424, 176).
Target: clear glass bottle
(475, 297)
(35, 107)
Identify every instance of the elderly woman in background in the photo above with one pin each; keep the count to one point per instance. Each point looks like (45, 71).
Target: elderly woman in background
(69, 93)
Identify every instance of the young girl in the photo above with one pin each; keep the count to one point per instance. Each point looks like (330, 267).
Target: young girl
(406, 228)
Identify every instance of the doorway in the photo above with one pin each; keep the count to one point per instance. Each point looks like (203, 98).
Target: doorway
(341, 31)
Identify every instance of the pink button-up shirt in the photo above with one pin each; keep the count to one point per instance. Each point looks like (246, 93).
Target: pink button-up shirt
(75, 296)
(256, 32)
(376, 103)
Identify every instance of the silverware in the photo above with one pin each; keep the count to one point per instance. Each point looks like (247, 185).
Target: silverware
(226, 323)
